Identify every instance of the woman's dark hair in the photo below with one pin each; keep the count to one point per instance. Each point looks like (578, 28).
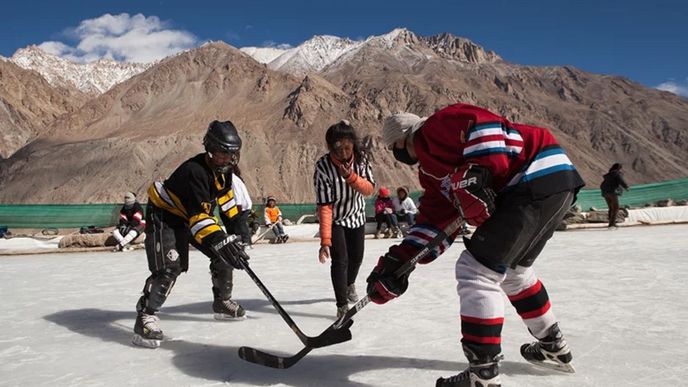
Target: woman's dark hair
(615, 167)
(343, 130)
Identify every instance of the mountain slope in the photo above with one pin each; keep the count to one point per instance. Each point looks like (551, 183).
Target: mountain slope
(141, 129)
(28, 104)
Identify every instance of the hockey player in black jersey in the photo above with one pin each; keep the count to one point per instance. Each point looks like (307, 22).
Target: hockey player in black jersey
(179, 213)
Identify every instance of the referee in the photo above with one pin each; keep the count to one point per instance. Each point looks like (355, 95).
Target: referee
(343, 177)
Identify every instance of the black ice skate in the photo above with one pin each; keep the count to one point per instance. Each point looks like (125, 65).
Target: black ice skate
(228, 310)
(551, 352)
(481, 372)
(147, 331)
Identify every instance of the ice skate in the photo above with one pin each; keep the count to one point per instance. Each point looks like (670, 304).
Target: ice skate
(228, 310)
(481, 372)
(341, 311)
(147, 331)
(397, 233)
(351, 294)
(551, 352)
(388, 233)
(117, 248)
(285, 237)
(378, 234)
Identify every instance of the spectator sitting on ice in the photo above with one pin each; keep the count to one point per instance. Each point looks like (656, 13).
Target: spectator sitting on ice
(273, 218)
(405, 206)
(131, 222)
(384, 213)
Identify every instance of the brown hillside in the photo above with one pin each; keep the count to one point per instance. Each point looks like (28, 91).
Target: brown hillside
(143, 128)
(28, 104)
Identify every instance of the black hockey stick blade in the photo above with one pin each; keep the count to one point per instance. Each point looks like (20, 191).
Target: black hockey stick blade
(331, 335)
(256, 356)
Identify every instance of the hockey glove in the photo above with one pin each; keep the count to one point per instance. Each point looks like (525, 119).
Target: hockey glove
(231, 252)
(471, 187)
(383, 285)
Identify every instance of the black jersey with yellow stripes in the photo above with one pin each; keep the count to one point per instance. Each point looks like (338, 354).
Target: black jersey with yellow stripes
(192, 192)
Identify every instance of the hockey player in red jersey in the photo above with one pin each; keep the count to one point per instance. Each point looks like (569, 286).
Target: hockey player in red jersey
(180, 212)
(514, 183)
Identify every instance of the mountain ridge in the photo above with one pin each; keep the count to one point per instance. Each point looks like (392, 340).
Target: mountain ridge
(141, 129)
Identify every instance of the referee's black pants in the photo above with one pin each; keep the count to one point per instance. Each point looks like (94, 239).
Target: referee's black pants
(346, 254)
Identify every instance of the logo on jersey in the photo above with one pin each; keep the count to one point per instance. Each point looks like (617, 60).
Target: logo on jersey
(206, 207)
(464, 183)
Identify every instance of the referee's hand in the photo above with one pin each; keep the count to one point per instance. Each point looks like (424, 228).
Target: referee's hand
(324, 254)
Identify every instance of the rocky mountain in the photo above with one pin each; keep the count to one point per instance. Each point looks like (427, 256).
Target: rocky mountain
(28, 104)
(320, 51)
(142, 128)
(94, 77)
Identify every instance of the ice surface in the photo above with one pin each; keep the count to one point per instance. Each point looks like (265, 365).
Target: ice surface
(67, 319)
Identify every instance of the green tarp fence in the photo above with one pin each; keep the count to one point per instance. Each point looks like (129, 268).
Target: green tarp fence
(42, 216)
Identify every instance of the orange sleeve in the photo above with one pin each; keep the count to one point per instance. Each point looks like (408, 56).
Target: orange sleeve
(325, 216)
(360, 184)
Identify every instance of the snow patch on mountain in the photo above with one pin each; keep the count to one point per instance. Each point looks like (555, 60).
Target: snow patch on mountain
(94, 77)
(263, 54)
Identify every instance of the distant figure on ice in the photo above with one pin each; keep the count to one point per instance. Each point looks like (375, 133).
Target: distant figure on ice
(384, 213)
(180, 211)
(131, 223)
(514, 183)
(343, 178)
(612, 187)
(406, 207)
(273, 218)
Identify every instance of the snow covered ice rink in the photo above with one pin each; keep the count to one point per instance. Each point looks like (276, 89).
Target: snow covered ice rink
(67, 318)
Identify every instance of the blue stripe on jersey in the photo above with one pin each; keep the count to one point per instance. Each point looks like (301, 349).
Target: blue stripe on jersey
(547, 162)
(548, 171)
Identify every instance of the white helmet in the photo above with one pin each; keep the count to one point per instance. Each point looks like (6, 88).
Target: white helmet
(399, 125)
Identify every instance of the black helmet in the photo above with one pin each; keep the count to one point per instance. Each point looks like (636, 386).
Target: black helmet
(222, 137)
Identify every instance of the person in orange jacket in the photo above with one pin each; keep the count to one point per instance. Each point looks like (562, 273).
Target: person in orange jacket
(273, 218)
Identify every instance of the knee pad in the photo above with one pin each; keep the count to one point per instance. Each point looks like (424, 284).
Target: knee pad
(158, 286)
(518, 280)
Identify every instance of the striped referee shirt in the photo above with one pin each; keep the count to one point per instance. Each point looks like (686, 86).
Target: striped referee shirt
(348, 206)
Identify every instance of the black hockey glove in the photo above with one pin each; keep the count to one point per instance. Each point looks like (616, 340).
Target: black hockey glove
(383, 285)
(231, 251)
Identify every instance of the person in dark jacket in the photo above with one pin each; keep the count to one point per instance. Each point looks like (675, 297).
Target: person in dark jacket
(131, 223)
(612, 186)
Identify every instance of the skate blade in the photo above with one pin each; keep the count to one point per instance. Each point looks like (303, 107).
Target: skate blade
(552, 365)
(147, 343)
(226, 317)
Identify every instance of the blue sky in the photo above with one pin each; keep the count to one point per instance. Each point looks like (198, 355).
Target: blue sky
(646, 41)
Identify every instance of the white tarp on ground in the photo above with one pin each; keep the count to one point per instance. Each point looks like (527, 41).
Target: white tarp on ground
(67, 318)
(657, 215)
(26, 243)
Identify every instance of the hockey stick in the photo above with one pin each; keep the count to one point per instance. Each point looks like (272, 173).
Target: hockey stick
(331, 334)
(264, 233)
(312, 342)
